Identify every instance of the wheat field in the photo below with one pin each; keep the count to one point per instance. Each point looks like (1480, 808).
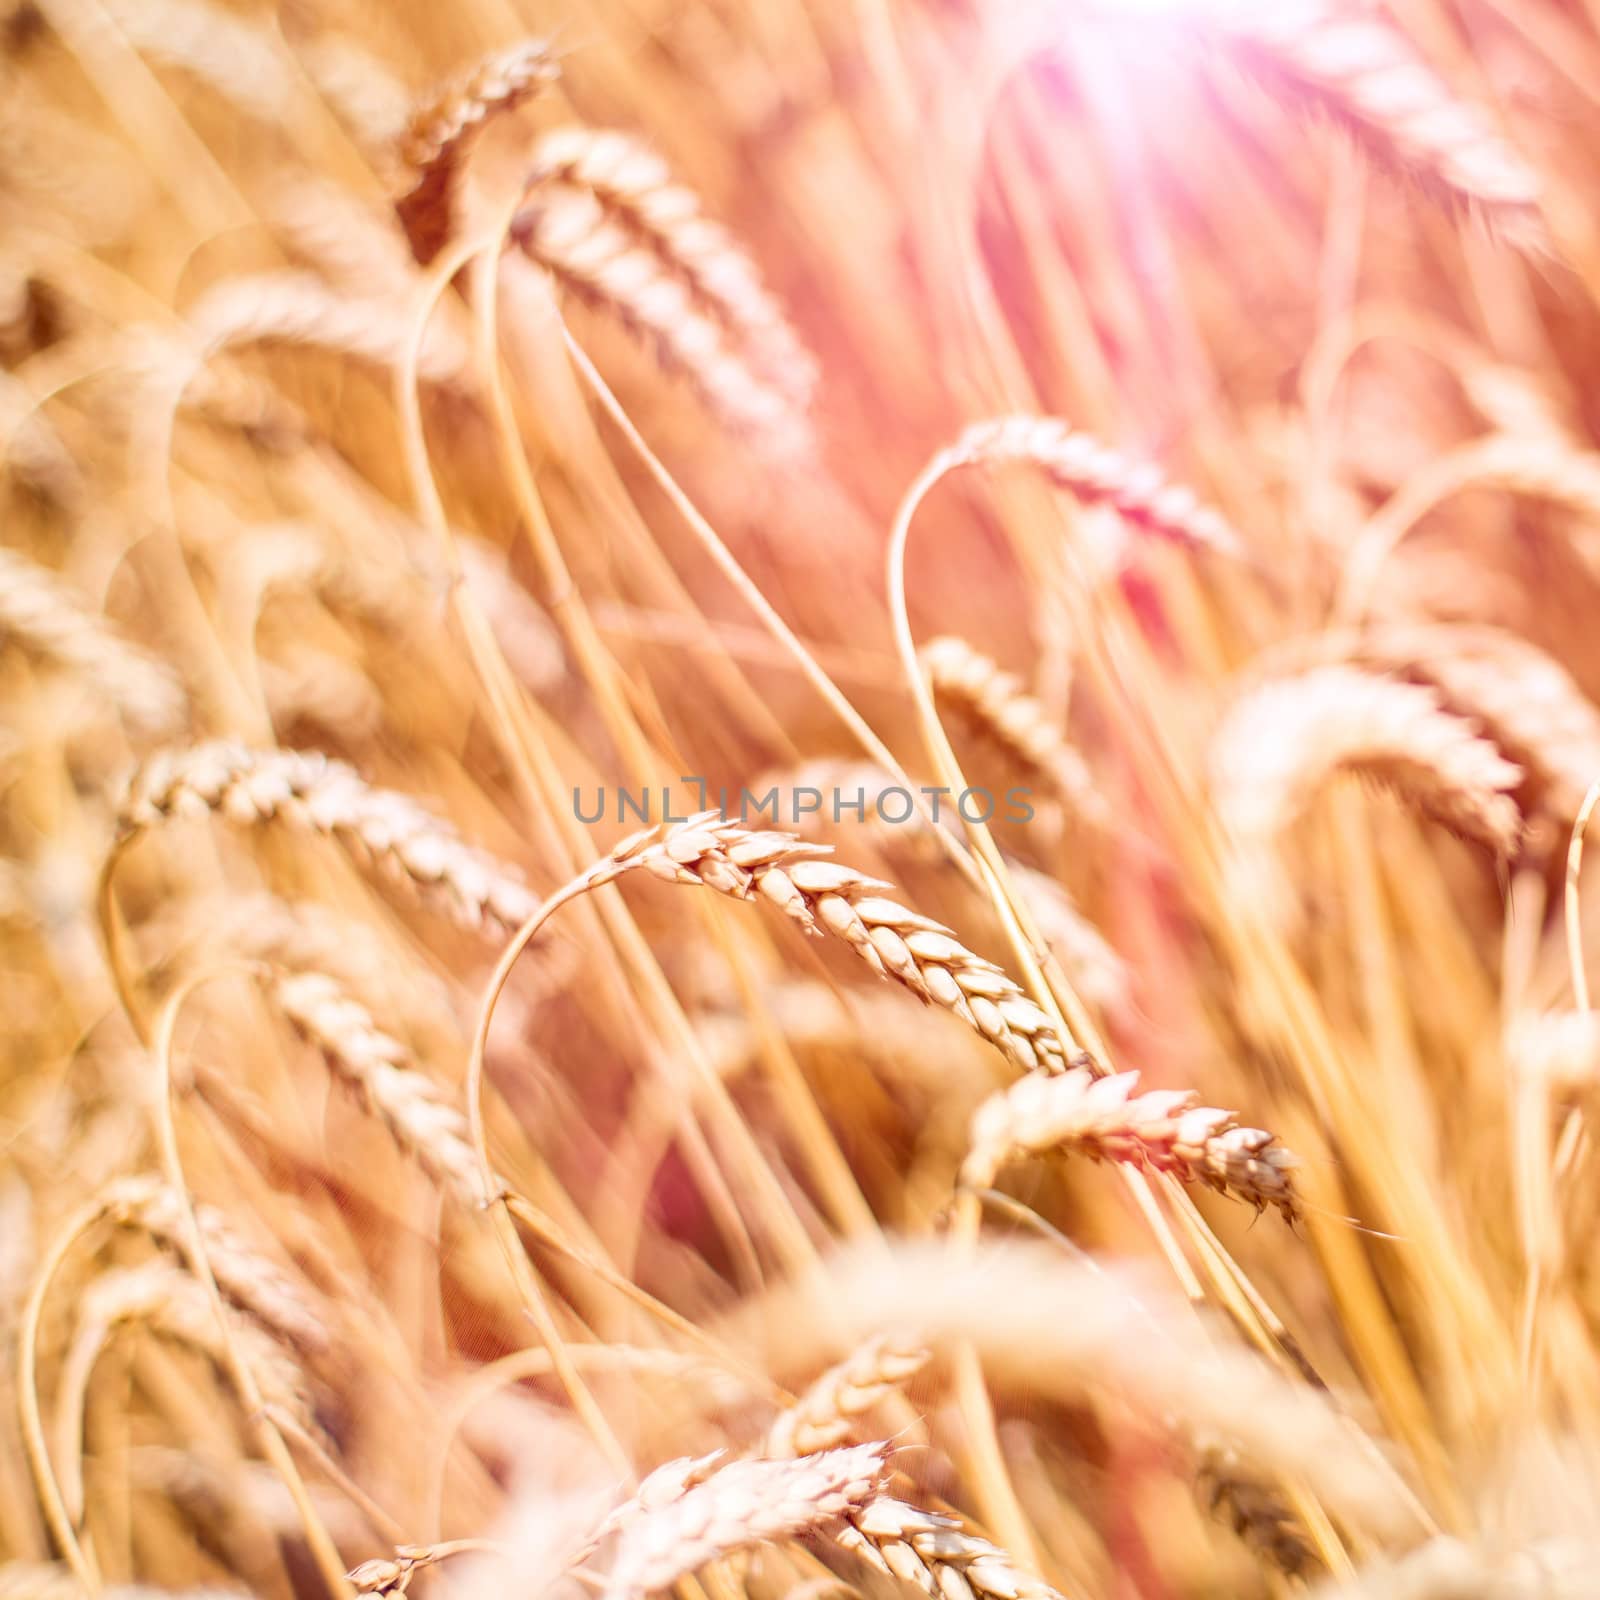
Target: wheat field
(793, 799)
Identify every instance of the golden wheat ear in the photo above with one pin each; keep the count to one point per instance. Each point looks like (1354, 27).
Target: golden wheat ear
(443, 125)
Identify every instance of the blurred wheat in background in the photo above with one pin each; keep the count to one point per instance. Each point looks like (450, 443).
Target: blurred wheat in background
(1126, 1136)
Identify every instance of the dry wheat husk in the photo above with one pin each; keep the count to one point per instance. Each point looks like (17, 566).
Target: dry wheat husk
(312, 793)
(1107, 1119)
(819, 895)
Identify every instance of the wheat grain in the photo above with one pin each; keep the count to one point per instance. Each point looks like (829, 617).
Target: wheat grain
(1365, 74)
(1097, 475)
(427, 1127)
(936, 1554)
(316, 795)
(40, 613)
(443, 125)
(637, 189)
(248, 1280)
(1282, 739)
(894, 941)
(744, 1503)
(572, 234)
(1003, 708)
(826, 1414)
(1107, 1119)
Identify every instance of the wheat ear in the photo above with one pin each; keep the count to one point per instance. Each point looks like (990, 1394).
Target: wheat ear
(1524, 699)
(1095, 474)
(443, 125)
(937, 1554)
(638, 190)
(1365, 74)
(1282, 739)
(1557, 1048)
(575, 236)
(997, 701)
(826, 1413)
(1256, 1512)
(44, 616)
(670, 1530)
(430, 1129)
(173, 1304)
(894, 941)
(248, 1280)
(1108, 1120)
(312, 793)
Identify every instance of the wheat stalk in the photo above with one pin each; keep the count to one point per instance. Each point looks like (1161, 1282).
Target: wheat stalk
(40, 613)
(443, 125)
(316, 795)
(427, 1127)
(575, 236)
(826, 1414)
(248, 1280)
(997, 701)
(894, 941)
(1096, 474)
(638, 190)
(1367, 76)
(1107, 1119)
(1282, 739)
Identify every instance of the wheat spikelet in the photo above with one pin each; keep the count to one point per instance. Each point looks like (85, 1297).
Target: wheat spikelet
(894, 941)
(826, 1413)
(1365, 74)
(248, 1280)
(1450, 1569)
(426, 1126)
(1107, 1119)
(997, 701)
(39, 612)
(1524, 699)
(1280, 741)
(571, 233)
(1097, 475)
(744, 1503)
(1256, 1513)
(638, 190)
(317, 795)
(936, 1554)
(299, 308)
(444, 123)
